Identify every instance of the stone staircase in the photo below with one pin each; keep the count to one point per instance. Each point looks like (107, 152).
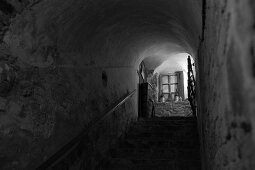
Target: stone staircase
(171, 108)
(169, 143)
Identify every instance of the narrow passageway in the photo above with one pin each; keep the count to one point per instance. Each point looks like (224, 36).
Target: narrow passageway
(166, 133)
(78, 77)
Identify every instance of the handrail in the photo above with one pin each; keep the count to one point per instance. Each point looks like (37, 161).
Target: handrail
(119, 104)
(67, 148)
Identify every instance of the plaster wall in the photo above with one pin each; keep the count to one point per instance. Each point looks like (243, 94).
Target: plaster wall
(226, 85)
(48, 96)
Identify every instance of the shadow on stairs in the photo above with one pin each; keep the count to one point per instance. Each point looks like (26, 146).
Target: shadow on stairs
(169, 143)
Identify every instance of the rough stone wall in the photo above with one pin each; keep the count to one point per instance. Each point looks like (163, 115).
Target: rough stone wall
(47, 97)
(227, 85)
(153, 80)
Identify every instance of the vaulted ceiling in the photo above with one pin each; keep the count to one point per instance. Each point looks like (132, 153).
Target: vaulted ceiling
(110, 33)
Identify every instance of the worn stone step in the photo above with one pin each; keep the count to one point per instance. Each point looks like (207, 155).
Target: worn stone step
(144, 164)
(169, 139)
(154, 167)
(147, 145)
(165, 137)
(166, 122)
(150, 153)
(159, 143)
(166, 126)
(155, 133)
(171, 144)
(163, 127)
(170, 123)
(169, 118)
(155, 153)
(163, 122)
(169, 165)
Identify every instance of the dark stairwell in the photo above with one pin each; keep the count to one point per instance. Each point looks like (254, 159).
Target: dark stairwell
(158, 140)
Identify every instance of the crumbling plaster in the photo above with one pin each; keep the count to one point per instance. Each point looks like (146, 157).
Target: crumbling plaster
(226, 86)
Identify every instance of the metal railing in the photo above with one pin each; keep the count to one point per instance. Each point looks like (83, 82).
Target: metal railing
(71, 145)
(191, 86)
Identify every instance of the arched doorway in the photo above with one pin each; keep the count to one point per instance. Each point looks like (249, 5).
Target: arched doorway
(163, 87)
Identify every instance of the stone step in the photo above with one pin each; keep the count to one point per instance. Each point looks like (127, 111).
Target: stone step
(155, 153)
(167, 121)
(159, 143)
(169, 139)
(163, 122)
(160, 146)
(155, 133)
(176, 119)
(158, 129)
(171, 118)
(144, 153)
(163, 127)
(162, 137)
(155, 167)
(162, 164)
(159, 162)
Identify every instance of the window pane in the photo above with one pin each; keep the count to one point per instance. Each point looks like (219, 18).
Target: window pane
(164, 79)
(165, 89)
(173, 79)
(173, 88)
